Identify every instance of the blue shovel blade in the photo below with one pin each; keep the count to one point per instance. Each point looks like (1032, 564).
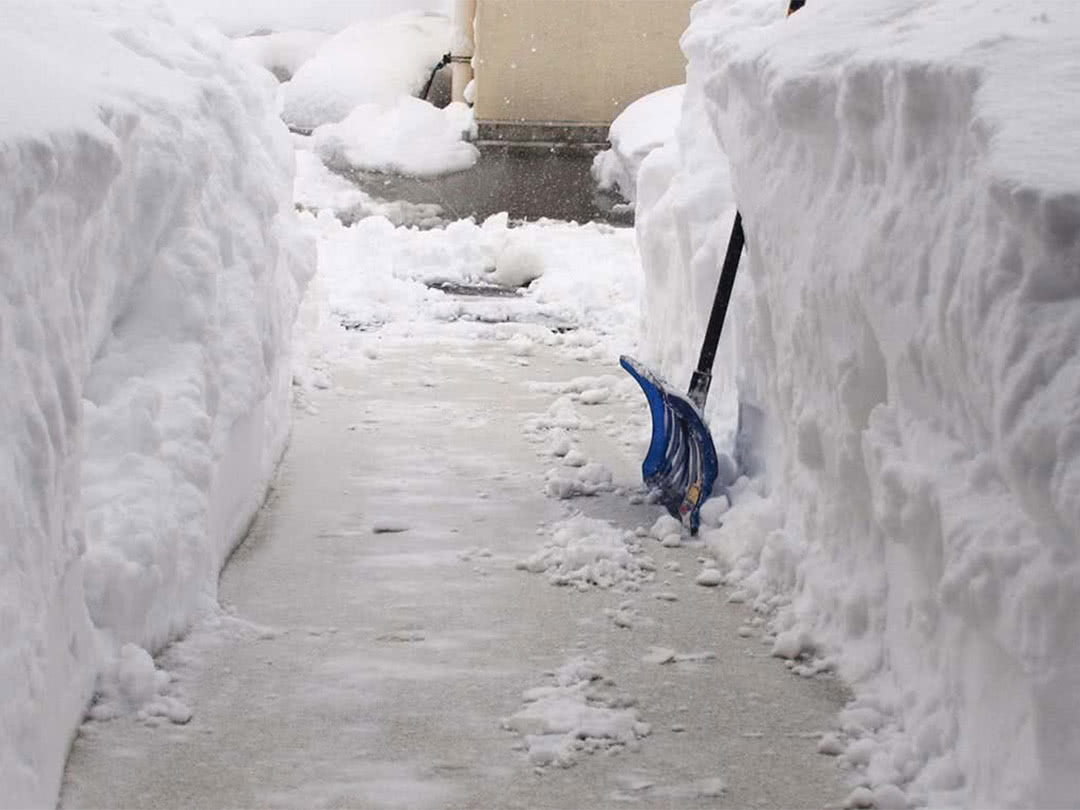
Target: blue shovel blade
(681, 463)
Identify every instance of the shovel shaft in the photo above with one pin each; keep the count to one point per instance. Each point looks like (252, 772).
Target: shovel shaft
(702, 378)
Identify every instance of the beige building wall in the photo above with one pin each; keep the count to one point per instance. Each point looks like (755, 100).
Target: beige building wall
(574, 61)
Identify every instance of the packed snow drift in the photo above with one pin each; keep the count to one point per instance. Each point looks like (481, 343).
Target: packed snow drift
(371, 62)
(409, 137)
(907, 322)
(150, 268)
(642, 127)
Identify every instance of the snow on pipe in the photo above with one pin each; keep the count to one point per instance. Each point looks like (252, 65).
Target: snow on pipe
(462, 45)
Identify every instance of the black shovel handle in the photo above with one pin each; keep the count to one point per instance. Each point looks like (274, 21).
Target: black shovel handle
(699, 383)
(702, 378)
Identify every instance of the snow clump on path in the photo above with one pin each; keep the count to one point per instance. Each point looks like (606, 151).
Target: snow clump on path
(584, 552)
(580, 714)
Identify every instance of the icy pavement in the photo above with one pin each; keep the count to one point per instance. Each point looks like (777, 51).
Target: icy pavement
(383, 647)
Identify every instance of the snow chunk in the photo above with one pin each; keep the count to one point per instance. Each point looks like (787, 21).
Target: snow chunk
(861, 797)
(831, 745)
(792, 644)
(709, 577)
(665, 525)
(589, 479)
(586, 552)
(579, 715)
(133, 684)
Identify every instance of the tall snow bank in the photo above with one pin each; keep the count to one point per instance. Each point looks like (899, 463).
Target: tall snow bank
(909, 322)
(150, 266)
(372, 62)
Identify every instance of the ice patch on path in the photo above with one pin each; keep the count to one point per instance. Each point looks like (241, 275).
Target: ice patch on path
(584, 552)
(409, 137)
(579, 715)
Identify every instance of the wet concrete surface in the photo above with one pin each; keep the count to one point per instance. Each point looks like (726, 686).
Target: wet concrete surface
(529, 182)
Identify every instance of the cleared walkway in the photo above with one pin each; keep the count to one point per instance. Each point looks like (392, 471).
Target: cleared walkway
(372, 669)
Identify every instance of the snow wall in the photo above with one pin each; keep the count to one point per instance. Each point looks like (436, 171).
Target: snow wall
(150, 268)
(908, 322)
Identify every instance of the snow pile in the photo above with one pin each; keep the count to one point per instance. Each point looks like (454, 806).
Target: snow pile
(409, 137)
(642, 127)
(520, 261)
(579, 715)
(586, 552)
(149, 276)
(243, 17)
(131, 683)
(372, 62)
(908, 324)
(282, 53)
(590, 478)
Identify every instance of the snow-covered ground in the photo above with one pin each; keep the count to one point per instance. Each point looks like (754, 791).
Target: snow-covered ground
(907, 322)
(150, 268)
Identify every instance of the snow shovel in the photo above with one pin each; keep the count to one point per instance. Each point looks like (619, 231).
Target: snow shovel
(681, 464)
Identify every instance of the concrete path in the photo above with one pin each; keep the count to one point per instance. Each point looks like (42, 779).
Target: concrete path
(364, 669)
